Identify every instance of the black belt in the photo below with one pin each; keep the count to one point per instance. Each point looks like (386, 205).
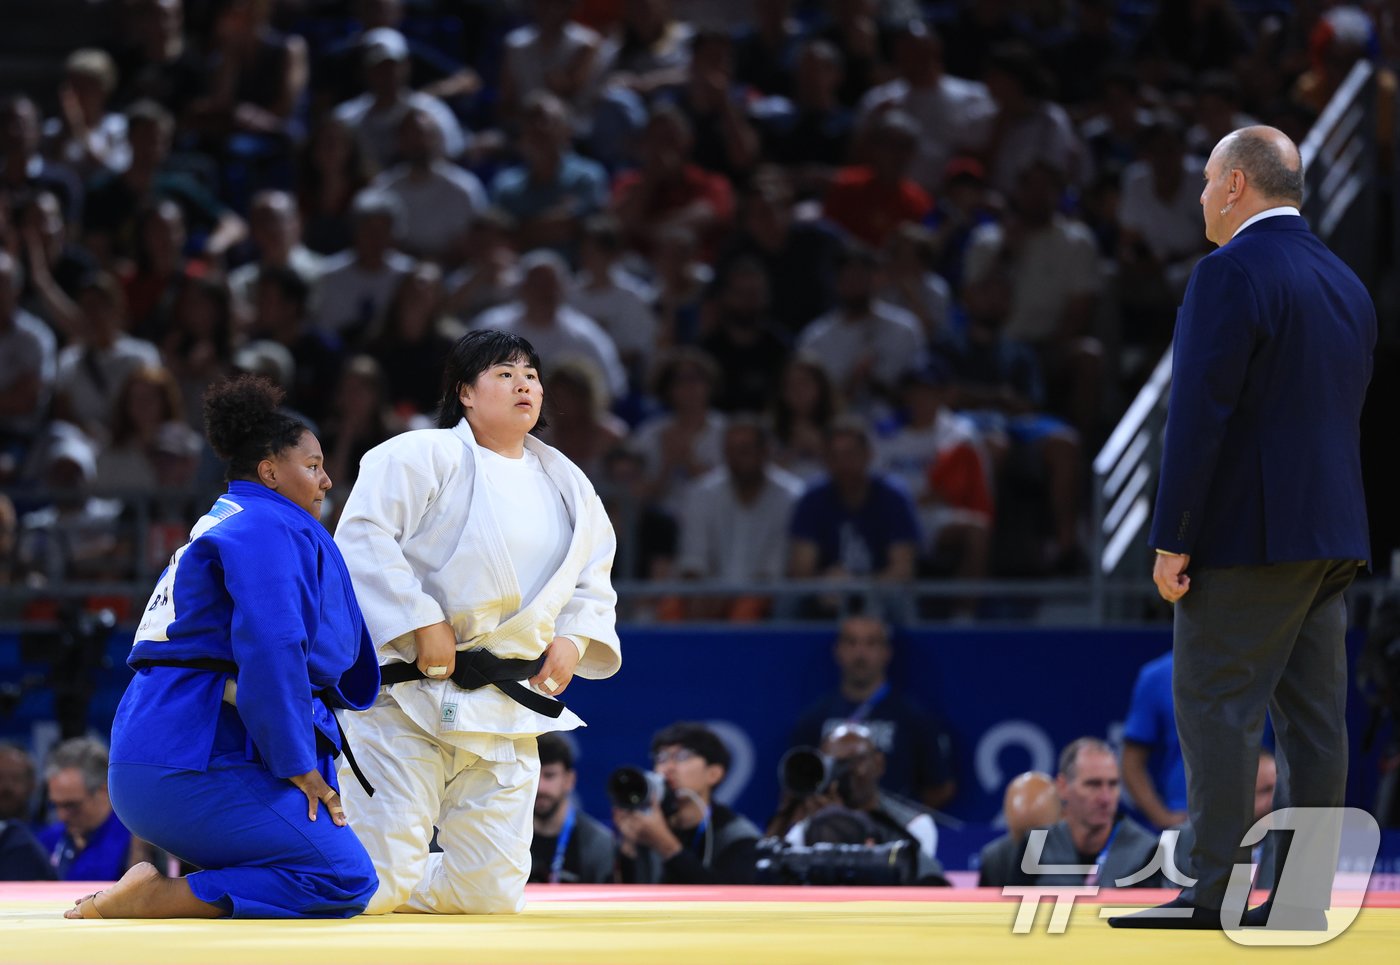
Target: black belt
(478, 668)
(215, 665)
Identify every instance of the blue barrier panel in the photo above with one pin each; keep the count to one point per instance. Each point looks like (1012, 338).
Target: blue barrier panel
(1013, 698)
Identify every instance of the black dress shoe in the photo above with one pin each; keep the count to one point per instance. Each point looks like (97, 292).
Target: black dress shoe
(1176, 913)
(1285, 918)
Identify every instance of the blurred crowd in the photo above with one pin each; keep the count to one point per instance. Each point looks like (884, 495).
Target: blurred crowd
(846, 288)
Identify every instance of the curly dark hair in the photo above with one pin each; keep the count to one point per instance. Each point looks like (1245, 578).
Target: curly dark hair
(245, 426)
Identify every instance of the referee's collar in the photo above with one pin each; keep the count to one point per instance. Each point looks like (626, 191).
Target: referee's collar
(1268, 213)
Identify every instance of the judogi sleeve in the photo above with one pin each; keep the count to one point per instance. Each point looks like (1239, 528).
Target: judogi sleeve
(590, 616)
(396, 486)
(273, 583)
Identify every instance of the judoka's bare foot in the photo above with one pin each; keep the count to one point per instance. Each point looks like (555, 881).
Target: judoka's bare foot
(143, 892)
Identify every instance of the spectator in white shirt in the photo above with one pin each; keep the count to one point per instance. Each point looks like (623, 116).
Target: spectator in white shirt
(864, 344)
(734, 521)
(1029, 127)
(557, 331)
(1053, 265)
(617, 300)
(683, 442)
(910, 282)
(375, 115)
(954, 115)
(437, 198)
(552, 53)
(1160, 204)
(1159, 212)
(93, 369)
(358, 285)
(86, 136)
(275, 225)
(27, 362)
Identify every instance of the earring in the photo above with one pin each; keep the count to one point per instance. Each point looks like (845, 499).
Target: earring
(1226, 210)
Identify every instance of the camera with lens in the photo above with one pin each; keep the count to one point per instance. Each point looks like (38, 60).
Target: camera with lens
(804, 771)
(633, 789)
(828, 863)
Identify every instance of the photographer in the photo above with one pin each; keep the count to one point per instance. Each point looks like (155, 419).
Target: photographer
(916, 745)
(852, 784)
(683, 837)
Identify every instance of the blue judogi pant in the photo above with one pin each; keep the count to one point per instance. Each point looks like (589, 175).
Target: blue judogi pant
(261, 857)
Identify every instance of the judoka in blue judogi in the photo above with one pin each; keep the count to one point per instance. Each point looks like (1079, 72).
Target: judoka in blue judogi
(260, 586)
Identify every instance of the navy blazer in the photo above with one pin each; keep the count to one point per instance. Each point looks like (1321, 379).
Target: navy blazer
(1273, 352)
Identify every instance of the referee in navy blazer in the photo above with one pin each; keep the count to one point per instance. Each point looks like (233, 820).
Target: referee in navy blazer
(1260, 521)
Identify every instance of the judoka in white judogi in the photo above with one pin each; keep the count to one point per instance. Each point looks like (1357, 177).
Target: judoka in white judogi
(512, 553)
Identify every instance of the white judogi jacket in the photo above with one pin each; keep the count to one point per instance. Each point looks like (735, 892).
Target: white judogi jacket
(424, 545)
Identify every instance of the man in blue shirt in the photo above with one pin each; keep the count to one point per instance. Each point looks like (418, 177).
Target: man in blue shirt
(554, 190)
(855, 523)
(1153, 770)
(87, 842)
(917, 748)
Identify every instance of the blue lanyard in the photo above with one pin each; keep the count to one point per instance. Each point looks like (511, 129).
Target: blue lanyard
(698, 834)
(1103, 855)
(863, 711)
(61, 858)
(562, 845)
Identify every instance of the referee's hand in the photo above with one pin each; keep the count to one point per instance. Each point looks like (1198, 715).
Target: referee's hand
(1169, 573)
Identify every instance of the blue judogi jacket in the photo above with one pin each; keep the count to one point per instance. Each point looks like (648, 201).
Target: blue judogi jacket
(262, 585)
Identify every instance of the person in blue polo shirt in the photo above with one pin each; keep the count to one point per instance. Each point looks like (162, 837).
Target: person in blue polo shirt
(87, 842)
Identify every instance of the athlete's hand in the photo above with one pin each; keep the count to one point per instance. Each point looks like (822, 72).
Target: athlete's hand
(314, 786)
(560, 661)
(437, 647)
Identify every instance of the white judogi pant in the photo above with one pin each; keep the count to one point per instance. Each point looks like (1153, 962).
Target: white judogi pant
(483, 810)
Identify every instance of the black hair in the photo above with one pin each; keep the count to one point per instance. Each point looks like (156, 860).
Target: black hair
(605, 231)
(675, 116)
(707, 36)
(853, 426)
(555, 749)
(853, 251)
(1018, 60)
(669, 366)
(245, 425)
(694, 737)
(473, 354)
(147, 111)
(288, 283)
(836, 824)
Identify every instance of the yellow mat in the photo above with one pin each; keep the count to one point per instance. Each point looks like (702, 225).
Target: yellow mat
(560, 931)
